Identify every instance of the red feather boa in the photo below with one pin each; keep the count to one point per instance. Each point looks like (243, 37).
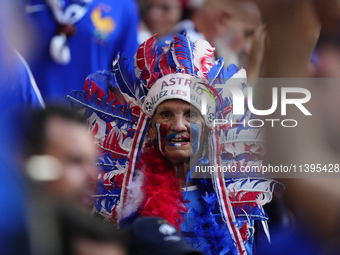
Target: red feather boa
(162, 192)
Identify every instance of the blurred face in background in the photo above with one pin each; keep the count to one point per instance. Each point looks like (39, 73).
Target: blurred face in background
(242, 20)
(246, 20)
(327, 65)
(69, 142)
(161, 16)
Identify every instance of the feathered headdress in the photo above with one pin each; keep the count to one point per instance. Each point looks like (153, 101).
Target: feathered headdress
(186, 71)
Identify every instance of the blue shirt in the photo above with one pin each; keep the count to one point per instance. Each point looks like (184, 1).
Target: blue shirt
(188, 226)
(19, 90)
(108, 27)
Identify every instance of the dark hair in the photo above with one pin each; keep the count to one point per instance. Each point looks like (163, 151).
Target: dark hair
(37, 120)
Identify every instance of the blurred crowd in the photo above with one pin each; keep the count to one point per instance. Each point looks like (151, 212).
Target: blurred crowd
(48, 160)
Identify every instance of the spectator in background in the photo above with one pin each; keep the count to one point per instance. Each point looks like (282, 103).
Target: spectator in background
(60, 171)
(293, 28)
(19, 89)
(75, 38)
(160, 16)
(228, 25)
(68, 172)
(13, 190)
(327, 65)
(63, 229)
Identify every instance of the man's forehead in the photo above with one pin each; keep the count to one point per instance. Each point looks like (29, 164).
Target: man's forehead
(58, 128)
(69, 138)
(176, 104)
(248, 13)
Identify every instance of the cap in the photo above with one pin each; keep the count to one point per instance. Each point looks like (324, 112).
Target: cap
(153, 236)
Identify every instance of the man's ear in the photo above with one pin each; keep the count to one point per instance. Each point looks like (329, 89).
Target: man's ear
(152, 132)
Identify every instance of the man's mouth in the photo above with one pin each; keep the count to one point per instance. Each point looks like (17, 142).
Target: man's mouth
(177, 140)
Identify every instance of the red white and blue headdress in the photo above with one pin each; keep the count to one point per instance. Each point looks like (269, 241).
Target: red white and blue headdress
(120, 129)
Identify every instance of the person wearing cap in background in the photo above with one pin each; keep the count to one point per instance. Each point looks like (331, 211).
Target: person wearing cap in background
(156, 135)
(156, 236)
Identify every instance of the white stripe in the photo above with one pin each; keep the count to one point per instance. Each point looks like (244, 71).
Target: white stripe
(266, 229)
(111, 135)
(190, 188)
(219, 70)
(34, 8)
(159, 137)
(32, 80)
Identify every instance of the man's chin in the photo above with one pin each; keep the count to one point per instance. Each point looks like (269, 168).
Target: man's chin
(177, 156)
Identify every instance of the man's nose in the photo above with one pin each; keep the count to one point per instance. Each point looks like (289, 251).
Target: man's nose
(155, 13)
(179, 124)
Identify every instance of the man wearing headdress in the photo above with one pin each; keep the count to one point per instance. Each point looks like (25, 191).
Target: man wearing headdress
(154, 139)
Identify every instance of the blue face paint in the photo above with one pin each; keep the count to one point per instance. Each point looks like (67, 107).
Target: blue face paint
(170, 137)
(196, 133)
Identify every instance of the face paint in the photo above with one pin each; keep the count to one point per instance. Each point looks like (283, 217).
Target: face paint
(175, 136)
(167, 139)
(196, 135)
(161, 130)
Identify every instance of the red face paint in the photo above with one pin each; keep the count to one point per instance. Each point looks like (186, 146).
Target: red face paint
(162, 130)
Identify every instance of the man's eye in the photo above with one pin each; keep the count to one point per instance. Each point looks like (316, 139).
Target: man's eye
(77, 160)
(192, 114)
(165, 114)
(166, 8)
(249, 34)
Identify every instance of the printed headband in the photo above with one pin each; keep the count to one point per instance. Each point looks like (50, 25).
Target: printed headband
(179, 86)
